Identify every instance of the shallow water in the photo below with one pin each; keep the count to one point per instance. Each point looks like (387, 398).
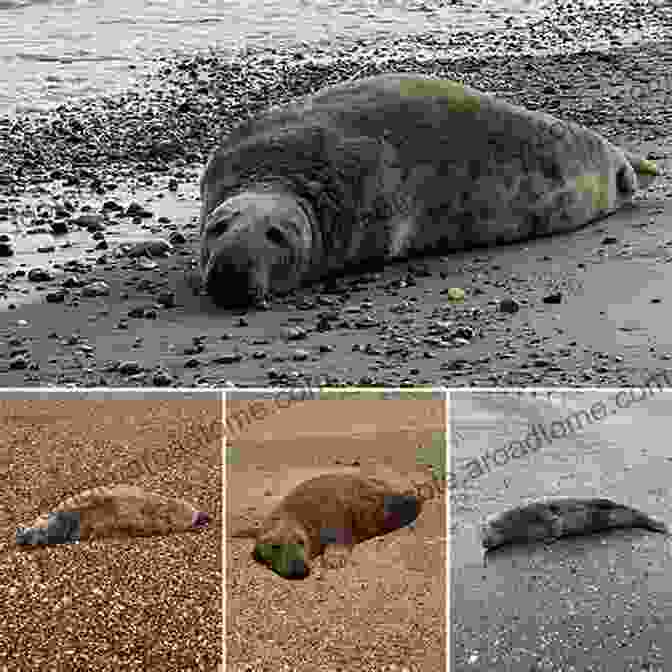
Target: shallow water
(53, 50)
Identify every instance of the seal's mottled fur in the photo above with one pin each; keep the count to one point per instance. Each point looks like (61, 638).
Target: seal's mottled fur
(554, 518)
(389, 166)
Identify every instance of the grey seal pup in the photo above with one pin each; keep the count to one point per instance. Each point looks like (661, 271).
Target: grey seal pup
(552, 519)
(391, 166)
(327, 515)
(112, 511)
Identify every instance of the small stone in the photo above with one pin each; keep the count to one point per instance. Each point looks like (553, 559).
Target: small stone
(162, 379)
(166, 299)
(90, 222)
(130, 368)
(18, 363)
(294, 333)
(136, 210)
(59, 228)
(553, 298)
(96, 288)
(176, 238)
(228, 358)
(509, 305)
(55, 297)
(150, 248)
(39, 275)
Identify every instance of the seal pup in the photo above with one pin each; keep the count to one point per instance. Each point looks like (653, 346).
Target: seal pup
(390, 166)
(327, 515)
(120, 510)
(549, 520)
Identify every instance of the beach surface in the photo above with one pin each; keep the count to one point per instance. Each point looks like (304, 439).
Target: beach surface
(150, 603)
(386, 609)
(598, 602)
(588, 308)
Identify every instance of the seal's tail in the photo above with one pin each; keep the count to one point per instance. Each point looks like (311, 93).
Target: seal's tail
(655, 525)
(646, 170)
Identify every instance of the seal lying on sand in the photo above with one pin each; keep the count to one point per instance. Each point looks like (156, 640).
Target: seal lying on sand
(563, 517)
(330, 514)
(391, 166)
(120, 510)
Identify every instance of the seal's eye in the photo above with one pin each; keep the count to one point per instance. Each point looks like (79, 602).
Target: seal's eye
(219, 226)
(277, 236)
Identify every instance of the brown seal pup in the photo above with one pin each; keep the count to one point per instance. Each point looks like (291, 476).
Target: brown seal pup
(330, 514)
(120, 510)
(390, 166)
(549, 520)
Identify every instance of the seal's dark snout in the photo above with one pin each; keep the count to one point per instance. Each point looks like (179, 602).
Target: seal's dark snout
(234, 285)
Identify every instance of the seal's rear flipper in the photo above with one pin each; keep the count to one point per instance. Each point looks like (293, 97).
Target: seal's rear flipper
(646, 170)
(657, 526)
(200, 519)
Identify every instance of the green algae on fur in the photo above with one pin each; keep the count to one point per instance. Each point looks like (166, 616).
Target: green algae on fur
(646, 167)
(454, 92)
(598, 186)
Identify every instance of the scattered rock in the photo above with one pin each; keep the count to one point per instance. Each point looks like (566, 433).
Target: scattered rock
(96, 288)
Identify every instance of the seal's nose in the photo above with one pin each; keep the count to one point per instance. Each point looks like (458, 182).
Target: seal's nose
(232, 278)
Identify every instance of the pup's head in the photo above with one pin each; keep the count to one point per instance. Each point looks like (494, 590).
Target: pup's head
(285, 548)
(530, 523)
(255, 243)
(31, 536)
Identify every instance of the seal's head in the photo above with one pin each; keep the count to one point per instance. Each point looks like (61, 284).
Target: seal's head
(285, 548)
(256, 242)
(534, 522)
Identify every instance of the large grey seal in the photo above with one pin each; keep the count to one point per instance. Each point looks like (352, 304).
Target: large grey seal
(390, 166)
(121, 510)
(549, 520)
(328, 515)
